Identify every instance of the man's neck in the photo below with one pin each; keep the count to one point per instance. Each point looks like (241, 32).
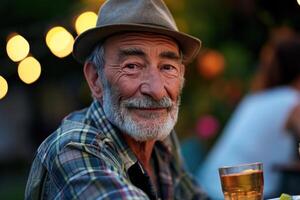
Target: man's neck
(142, 150)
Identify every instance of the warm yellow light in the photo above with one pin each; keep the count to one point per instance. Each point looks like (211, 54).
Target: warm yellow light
(85, 21)
(60, 41)
(298, 2)
(3, 87)
(29, 70)
(17, 48)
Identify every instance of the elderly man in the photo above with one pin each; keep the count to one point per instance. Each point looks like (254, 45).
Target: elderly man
(122, 146)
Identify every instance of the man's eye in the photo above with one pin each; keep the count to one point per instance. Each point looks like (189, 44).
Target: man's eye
(170, 70)
(131, 66)
(168, 67)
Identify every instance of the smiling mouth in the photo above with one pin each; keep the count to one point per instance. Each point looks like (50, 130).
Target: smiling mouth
(151, 110)
(148, 109)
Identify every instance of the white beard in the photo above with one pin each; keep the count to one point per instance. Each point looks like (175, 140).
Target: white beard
(154, 127)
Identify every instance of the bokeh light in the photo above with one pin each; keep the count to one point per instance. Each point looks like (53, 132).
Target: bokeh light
(85, 21)
(3, 87)
(29, 70)
(298, 2)
(17, 48)
(207, 126)
(211, 64)
(59, 41)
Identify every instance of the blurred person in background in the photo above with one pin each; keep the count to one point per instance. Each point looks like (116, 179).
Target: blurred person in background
(123, 146)
(265, 125)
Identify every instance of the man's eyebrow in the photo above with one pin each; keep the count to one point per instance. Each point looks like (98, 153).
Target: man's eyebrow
(123, 53)
(170, 55)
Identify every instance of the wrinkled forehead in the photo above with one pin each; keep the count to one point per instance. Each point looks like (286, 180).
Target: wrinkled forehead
(141, 38)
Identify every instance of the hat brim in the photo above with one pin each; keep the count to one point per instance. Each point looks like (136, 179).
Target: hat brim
(86, 42)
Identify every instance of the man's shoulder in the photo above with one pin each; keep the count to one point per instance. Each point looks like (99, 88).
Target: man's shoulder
(74, 134)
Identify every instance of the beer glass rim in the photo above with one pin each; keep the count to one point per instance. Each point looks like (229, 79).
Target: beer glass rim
(240, 165)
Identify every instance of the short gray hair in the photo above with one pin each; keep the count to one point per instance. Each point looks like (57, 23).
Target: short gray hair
(97, 59)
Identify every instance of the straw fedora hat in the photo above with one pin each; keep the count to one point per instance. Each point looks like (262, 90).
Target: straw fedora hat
(117, 16)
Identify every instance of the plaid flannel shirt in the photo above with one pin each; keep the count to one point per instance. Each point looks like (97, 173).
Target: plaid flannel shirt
(86, 158)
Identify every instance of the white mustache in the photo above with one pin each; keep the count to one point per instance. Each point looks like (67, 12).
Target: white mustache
(148, 102)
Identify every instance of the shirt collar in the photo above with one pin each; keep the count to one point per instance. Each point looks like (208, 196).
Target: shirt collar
(112, 133)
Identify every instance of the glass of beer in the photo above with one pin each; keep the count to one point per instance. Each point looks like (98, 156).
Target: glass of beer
(242, 182)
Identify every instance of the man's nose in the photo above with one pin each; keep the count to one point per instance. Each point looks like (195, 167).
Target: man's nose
(153, 85)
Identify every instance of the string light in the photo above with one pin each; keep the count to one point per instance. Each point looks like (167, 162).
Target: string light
(29, 70)
(17, 48)
(3, 87)
(59, 41)
(85, 21)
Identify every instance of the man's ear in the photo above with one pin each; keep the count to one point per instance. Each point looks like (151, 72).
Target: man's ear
(93, 80)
